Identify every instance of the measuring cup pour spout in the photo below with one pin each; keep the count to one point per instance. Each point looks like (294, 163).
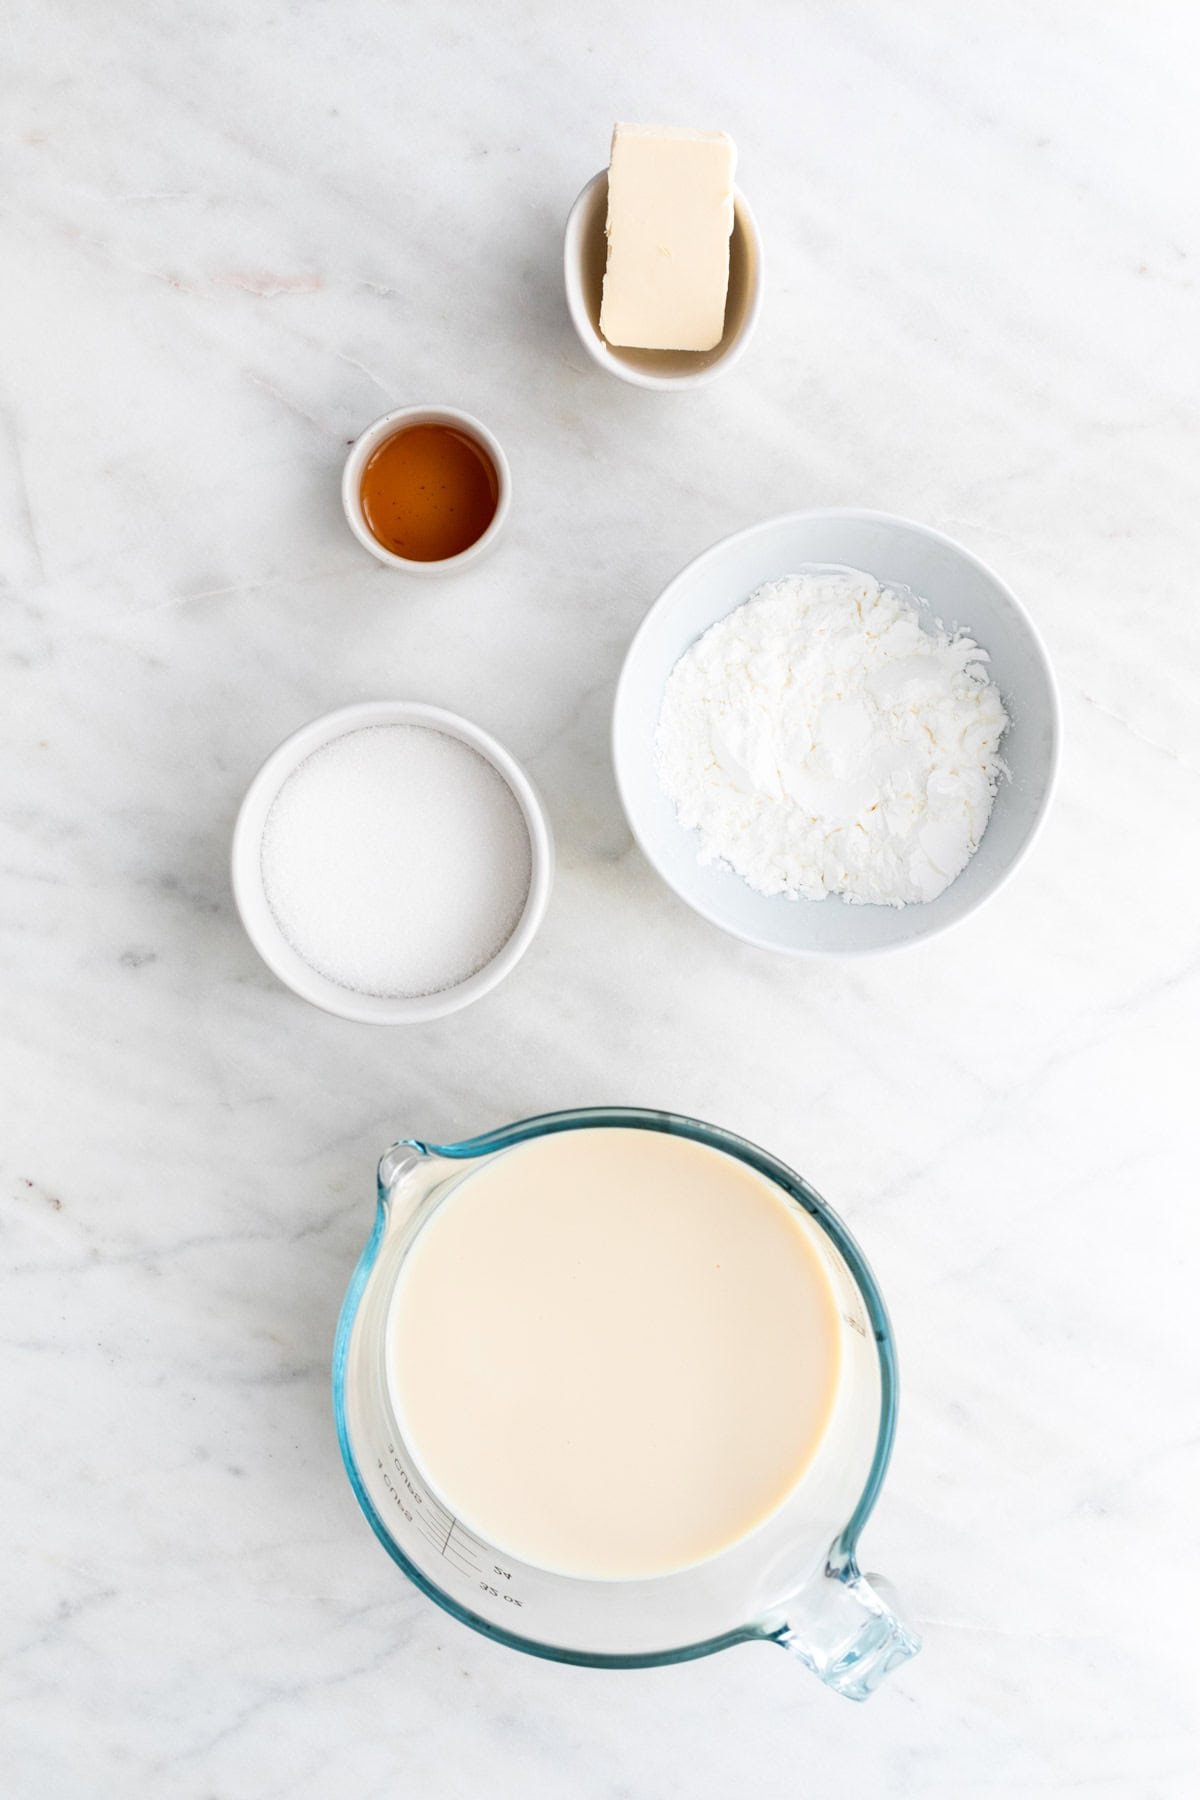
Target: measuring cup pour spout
(841, 1627)
(396, 1165)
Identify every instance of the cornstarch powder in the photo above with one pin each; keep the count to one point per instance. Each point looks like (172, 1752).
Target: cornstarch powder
(828, 737)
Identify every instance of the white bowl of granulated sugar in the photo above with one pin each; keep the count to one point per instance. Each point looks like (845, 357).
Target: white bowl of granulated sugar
(391, 862)
(835, 733)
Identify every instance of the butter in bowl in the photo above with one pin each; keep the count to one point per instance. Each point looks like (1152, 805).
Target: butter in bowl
(662, 259)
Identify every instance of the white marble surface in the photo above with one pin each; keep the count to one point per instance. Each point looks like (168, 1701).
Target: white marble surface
(231, 235)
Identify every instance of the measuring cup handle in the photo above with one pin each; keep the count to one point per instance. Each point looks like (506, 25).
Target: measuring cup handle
(841, 1628)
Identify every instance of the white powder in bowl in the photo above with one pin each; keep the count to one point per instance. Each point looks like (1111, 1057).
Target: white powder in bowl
(823, 740)
(396, 861)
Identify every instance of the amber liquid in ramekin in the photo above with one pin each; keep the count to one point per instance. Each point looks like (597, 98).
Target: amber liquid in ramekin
(429, 492)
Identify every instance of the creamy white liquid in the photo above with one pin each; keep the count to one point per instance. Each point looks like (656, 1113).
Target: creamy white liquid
(614, 1353)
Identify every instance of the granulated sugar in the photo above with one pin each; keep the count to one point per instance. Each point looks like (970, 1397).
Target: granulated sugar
(396, 861)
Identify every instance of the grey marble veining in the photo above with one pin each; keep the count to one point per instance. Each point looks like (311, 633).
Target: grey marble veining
(233, 234)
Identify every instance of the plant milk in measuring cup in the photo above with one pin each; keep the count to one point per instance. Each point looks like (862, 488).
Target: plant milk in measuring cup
(616, 1387)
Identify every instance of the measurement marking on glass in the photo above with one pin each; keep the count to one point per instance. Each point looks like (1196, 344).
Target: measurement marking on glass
(449, 1535)
(458, 1552)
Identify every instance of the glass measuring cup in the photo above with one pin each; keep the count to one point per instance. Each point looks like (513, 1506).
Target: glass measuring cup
(794, 1581)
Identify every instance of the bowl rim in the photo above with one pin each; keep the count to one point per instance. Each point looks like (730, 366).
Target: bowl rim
(866, 515)
(250, 901)
(599, 351)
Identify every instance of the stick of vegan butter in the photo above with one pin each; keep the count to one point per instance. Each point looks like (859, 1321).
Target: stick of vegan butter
(670, 215)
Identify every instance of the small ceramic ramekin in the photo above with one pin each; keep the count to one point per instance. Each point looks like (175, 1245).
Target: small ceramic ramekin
(365, 446)
(585, 251)
(260, 923)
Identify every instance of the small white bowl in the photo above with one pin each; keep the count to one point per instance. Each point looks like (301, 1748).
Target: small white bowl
(585, 251)
(365, 446)
(259, 920)
(961, 591)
